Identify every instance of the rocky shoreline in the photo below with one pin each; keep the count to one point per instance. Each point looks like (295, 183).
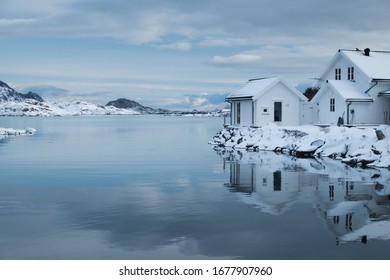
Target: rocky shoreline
(367, 146)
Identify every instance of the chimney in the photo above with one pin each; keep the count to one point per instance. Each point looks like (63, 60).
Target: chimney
(367, 52)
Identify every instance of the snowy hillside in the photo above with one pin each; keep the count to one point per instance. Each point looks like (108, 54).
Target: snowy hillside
(13, 103)
(31, 107)
(123, 103)
(8, 94)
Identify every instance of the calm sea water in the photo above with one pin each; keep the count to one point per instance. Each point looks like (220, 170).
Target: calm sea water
(150, 187)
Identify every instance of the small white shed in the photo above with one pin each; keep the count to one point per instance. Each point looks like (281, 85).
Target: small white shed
(264, 100)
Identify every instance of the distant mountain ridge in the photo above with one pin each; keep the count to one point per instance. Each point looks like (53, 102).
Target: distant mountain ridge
(9, 94)
(13, 103)
(123, 103)
(127, 104)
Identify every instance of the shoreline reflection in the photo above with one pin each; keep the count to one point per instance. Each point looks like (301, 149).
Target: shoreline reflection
(353, 203)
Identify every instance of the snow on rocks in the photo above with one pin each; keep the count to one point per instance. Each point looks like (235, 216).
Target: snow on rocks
(363, 146)
(5, 132)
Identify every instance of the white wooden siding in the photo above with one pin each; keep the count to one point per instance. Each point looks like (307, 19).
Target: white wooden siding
(290, 106)
(246, 113)
(376, 112)
(324, 113)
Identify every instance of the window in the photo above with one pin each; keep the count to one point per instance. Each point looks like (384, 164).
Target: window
(351, 73)
(331, 192)
(337, 73)
(332, 104)
(238, 112)
(277, 111)
(277, 181)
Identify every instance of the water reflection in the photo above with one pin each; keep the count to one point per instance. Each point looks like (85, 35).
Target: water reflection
(354, 204)
(3, 139)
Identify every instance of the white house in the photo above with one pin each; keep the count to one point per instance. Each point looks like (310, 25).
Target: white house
(265, 100)
(354, 89)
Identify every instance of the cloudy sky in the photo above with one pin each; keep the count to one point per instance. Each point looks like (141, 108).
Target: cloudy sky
(177, 53)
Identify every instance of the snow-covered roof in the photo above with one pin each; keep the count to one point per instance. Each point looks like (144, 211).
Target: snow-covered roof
(254, 88)
(376, 65)
(350, 91)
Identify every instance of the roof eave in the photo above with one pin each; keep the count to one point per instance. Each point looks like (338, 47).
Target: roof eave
(238, 98)
(359, 100)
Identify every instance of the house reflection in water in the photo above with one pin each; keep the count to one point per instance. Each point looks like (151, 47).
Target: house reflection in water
(242, 180)
(272, 190)
(343, 203)
(353, 203)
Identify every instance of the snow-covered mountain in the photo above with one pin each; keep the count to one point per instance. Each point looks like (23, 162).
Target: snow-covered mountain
(9, 94)
(31, 107)
(13, 103)
(123, 103)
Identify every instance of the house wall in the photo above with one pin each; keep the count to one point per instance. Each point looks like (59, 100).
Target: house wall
(362, 113)
(377, 112)
(368, 113)
(308, 113)
(325, 116)
(341, 63)
(264, 106)
(245, 113)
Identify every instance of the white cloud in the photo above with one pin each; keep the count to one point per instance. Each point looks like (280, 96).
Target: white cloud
(22, 8)
(16, 22)
(181, 46)
(208, 23)
(224, 42)
(199, 101)
(240, 59)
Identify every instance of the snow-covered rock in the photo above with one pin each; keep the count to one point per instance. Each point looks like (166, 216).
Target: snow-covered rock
(353, 145)
(5, 132)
